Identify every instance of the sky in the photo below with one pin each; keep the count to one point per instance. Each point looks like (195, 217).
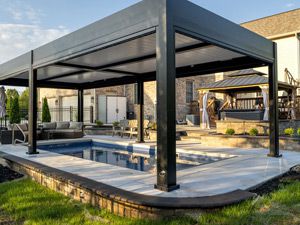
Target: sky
(27, 24)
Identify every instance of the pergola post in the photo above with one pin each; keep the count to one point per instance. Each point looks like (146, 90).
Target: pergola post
(140, 113)
(273, 101)
(80, 105)
(166, 110)
(32, 112)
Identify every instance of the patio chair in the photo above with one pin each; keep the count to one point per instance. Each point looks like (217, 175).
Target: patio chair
(118, 130)
(132, 128)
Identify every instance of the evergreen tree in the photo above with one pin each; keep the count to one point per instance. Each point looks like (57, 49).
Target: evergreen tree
(10, 95)
(46, 116)
(14, 113)
(24, 99)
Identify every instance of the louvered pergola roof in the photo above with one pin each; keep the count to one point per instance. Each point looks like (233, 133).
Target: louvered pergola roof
(121, 49)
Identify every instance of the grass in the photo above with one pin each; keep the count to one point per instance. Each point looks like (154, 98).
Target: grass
(28, 202)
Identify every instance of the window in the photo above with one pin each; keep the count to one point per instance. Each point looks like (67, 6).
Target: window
(189, 91)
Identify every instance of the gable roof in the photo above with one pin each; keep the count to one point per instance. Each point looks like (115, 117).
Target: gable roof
(276, 25)
(246, 72)
(242, 83)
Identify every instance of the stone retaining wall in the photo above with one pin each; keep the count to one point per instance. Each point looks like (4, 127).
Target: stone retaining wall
(115, 200)
(243, 127)
(244, 141)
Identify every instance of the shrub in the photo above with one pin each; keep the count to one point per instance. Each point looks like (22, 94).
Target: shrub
(14, 113)
(46, 116)
(99, 123)
(289, 131)
(298, 131)
(253, 132)
(230, 131)
(116, 124)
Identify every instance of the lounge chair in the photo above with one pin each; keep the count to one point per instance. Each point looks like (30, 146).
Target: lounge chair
(132, 128)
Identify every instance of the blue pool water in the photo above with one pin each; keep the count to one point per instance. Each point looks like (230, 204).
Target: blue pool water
(142, 159)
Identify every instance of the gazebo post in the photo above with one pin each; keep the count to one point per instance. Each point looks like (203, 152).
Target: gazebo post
(273, 101)
(166, 110)
(32, 113)
(80, 105)
(140, 114)
(200, 101)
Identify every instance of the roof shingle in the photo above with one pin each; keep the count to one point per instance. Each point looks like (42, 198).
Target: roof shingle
(276, 25)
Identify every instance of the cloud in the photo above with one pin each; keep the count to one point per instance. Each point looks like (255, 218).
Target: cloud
(289, 5)
(19, 11)
(16, 39)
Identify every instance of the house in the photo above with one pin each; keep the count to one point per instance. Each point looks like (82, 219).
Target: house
(282, 28)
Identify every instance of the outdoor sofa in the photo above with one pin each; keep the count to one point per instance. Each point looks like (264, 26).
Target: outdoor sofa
(62, 130)
(18, 133)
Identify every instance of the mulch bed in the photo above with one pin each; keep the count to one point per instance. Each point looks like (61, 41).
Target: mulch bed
(7, 174)
(276, 183)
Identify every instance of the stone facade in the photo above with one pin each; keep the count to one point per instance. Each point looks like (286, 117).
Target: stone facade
(182, 107)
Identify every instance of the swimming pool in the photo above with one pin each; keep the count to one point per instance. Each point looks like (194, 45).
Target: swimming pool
(136, 158)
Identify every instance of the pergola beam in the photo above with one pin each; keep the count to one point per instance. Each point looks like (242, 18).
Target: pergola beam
(32, 117)
(273, 104)
(80, 105)
(41, 84)
(166, 100)
(140, 113)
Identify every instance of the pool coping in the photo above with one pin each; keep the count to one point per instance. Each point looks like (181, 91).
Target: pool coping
(117, 194)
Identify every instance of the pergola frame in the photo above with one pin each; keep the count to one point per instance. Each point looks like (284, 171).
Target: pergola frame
(165, 18)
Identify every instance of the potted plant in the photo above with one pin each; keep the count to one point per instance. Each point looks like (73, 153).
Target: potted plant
(116, 124)
(99, 123)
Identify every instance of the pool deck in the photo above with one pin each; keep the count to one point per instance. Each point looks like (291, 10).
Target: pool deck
(248, 169)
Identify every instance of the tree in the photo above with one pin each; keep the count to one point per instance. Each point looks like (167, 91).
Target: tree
(10, 95)
(46, 117)
(24, 99)
(14, 112)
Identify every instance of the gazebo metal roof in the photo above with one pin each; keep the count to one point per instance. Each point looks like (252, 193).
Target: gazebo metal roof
(243, 83)
(151, 40)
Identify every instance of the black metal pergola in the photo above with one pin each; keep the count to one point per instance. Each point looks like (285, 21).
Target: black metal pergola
(152, 40)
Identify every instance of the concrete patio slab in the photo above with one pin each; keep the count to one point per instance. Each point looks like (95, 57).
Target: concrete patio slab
(246, 169)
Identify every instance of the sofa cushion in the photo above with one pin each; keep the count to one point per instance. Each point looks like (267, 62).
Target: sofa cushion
(23, 127)
(76, 125)
(62, 125)
(49, 126)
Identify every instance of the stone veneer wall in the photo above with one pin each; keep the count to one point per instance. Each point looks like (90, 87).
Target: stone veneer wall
(182, 108)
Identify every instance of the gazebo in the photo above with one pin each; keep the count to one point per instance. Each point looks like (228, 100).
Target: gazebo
(244, 82)
(152, 40)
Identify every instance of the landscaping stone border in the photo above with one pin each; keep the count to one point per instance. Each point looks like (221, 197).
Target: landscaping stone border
(246, 141)
(115, 200)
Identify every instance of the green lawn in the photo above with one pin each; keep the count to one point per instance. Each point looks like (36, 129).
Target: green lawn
(27, 202)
